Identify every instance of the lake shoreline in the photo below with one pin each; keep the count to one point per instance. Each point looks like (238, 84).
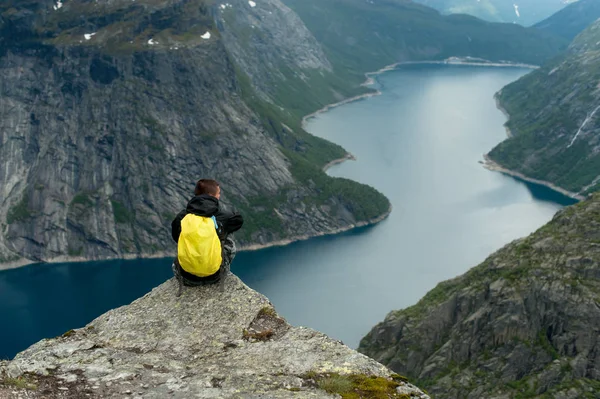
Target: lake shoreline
(347, 157)
(491, 165)
(287, 241)
(370, 80)
(509, 134)
(254, 247)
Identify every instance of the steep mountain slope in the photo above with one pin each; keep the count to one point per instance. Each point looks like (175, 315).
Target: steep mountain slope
(205, 344)
(524, 324)
(523, 12)
(111, 110)
(554, 119)
(361, 35)
(572, 20)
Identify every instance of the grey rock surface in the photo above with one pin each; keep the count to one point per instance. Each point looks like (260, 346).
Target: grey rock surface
(204, 344)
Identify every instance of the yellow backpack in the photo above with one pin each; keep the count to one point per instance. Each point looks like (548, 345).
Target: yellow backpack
(199, 247)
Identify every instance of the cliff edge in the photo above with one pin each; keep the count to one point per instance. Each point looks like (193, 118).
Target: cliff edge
(204, 344)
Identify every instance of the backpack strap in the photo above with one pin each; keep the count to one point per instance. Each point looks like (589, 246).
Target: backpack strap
(178, 279)
(228, 251)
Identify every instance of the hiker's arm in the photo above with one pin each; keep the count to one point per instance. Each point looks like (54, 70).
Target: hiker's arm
(176, 225)
(229, 219)
(233, 223)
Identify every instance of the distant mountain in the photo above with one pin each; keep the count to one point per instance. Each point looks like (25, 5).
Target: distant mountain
(572, 20)
(524, 12)
(523, 324)
(362, 35)
(555, 119)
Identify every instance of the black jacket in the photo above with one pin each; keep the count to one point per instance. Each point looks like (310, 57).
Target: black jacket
(228, 221)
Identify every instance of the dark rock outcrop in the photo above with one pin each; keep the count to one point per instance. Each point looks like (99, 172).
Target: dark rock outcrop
(524, 324)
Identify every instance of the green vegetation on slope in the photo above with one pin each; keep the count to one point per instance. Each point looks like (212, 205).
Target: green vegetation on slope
(357, 386)
(547, 108)
(19, 212)
(307, 155)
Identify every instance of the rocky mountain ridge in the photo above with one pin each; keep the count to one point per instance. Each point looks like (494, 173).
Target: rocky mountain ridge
(207, 343)
(523, 324)
(554, 120)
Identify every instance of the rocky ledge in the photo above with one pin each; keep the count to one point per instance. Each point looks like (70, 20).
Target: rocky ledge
(204, 344)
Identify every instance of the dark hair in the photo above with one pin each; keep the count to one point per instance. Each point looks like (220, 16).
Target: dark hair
(206, 186)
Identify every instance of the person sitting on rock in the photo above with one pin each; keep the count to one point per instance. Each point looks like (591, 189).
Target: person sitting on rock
(202, 231)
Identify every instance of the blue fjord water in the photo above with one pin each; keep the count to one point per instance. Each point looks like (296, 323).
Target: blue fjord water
(419, 143)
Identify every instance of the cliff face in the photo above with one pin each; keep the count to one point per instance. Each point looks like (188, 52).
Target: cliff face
(554, 119)
(111, 110)
(524, 324)
(204, 344)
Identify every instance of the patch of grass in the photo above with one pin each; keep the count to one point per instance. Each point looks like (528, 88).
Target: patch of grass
(398, 377)
(68, 333)
(8, 258)
(20, 211)
(523, 388)
(82, 199)
(336, 383)
(545, 344)
(267, 311)
(356, 386)
(18, 383)
(122, 214)
(75, 251)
